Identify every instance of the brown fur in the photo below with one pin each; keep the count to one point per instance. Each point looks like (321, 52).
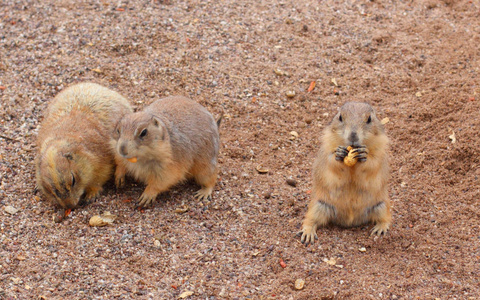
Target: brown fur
(74, 157)
(350, 196)
(181, 142)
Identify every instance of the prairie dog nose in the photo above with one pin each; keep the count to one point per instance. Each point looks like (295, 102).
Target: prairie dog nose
(353, 138)
(123, 149)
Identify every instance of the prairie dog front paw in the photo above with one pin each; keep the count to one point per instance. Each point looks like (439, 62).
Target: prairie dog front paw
(309, 234)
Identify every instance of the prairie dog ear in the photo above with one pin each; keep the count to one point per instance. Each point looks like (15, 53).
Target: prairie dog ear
(159, 124)
(68, 156)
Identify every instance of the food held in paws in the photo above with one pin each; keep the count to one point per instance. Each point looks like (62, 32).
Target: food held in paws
(350, 159)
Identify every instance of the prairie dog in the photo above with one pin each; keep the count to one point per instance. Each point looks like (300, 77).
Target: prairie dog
(74, 155)
(172, 139)
(350, 196)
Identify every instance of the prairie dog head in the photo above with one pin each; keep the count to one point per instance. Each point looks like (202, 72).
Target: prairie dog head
(139, 136)
(63, 172)
(356, 125)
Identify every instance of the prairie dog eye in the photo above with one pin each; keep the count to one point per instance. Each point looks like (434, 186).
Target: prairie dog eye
(116, 133)
(369, 120)
(143, 133)
(73, 180)
(340, 118)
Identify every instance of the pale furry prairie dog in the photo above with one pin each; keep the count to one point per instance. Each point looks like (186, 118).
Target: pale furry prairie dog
(74, 156)
(172, 139)
(350, 196)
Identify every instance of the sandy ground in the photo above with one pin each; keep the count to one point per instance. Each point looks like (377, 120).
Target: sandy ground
(416, 62)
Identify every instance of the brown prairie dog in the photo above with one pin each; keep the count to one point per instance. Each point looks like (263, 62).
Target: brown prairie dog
(74, 158)
(173, 139)
(350, 196)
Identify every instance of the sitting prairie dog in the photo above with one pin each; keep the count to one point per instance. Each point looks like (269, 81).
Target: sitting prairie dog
(172, 139)
(74, 154)
(350, 195)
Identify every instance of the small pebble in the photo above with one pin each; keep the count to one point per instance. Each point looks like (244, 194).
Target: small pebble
(57, 218)
(10, 209)
(299, 283)
(292, 182)
(21, 257)
(363, 249)
(290, 94)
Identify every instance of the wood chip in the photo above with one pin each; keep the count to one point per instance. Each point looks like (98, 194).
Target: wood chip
(453, 137)
(260, 169)
(330, 261)
(102, 220)
(294, 134)
(185, 294)
(290, 94)
(311, 87)
(21, 257)
(385, 120)
(15, 280)
(97, 221)
(182, 209)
